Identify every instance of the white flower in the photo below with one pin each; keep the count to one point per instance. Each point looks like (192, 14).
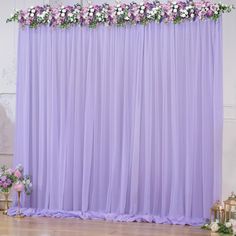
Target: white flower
(119, 9)
(62, 14)
(176, 6)
(233, 222)
(175, 10)
(70, 14)
(64, 10)
(192, 15)
(32, 14)
(92, 10)
(141, 11)
(91, 14)
(33, 10)
(214, 227)
(228, 224)
(142, 7)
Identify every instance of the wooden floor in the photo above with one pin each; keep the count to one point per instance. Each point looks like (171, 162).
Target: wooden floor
(31, 226)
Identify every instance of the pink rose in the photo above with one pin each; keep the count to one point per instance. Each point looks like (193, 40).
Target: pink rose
(17, 174)
(19, 187)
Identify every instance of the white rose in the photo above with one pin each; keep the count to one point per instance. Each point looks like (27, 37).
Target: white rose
(192, 15)
(32, 14)
(175, 10)
(91, 14)
(214, 227)
(143, 7)
(62, 14)
(92, 10)
(233, 222)
(228, 224)
(119, 9)
(33, 10)
(70, 14)
(141, 11)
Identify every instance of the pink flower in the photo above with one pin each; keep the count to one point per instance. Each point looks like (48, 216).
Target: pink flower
(19, 187)
(18, 174)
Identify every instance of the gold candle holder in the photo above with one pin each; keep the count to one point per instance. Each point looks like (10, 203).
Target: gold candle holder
(6, 202)
(18, 213)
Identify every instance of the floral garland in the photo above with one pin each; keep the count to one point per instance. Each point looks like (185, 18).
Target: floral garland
(121, 14)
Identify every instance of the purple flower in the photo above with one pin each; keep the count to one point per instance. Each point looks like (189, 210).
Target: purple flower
(3, 178)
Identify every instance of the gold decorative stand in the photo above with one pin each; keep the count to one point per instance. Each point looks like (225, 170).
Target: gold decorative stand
(19, 215)
(6, 202)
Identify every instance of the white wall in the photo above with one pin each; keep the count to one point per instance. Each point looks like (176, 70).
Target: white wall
(8, 44)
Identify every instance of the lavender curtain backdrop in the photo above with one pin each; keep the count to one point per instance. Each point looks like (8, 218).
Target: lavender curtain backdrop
(121, 123)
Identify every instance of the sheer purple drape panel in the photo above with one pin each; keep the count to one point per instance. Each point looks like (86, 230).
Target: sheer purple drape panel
(122, 122)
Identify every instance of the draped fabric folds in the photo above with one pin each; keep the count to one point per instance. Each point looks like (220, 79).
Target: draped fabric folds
(122, 121)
